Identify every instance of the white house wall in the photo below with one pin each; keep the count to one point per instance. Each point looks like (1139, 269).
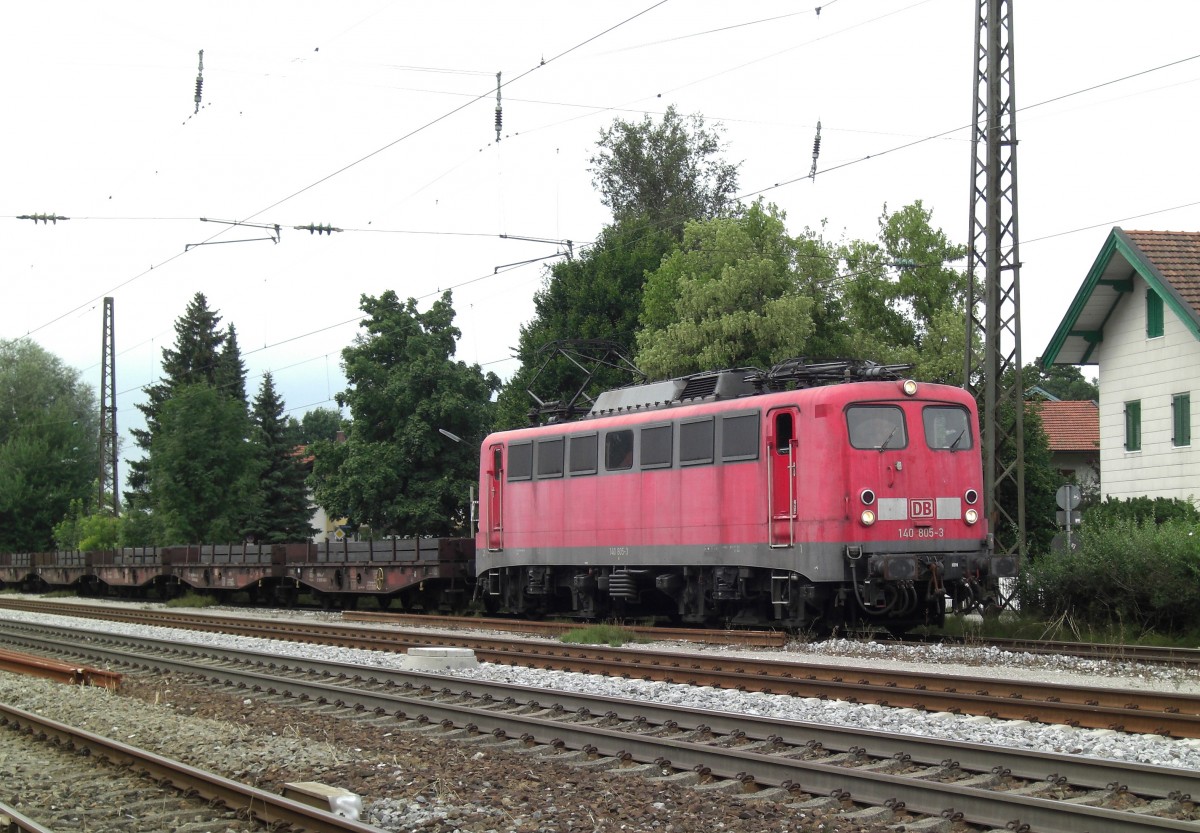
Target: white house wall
(1152, 371)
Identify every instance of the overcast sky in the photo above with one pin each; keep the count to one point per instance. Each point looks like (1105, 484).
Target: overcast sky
(378, 118)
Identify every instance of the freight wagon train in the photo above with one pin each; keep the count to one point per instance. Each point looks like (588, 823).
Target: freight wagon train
(812, 496)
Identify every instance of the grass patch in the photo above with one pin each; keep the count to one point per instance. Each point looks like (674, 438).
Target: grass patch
(614, 636)
(1062, 629)
(60, 594)
(192, 600)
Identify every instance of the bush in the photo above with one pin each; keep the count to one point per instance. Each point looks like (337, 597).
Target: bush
(1132, 571)
(1141, 509)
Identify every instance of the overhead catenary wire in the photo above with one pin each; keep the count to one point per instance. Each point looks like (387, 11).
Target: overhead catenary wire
(863, 159)
(415, 131)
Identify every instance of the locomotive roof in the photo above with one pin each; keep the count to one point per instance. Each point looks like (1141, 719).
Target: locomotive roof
(738, 382)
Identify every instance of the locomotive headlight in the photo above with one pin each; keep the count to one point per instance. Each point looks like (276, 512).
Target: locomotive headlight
(971, 516)
(909, 387)
(867, 497)
(971, 496)
(867, 517)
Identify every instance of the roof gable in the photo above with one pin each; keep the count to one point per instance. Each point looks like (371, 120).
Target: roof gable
(1070, 425)
(1169, 261)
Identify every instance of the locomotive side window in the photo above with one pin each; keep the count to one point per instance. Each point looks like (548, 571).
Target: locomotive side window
(618, 450)
(520, 461)
(550, 458)
(696, 442)
(583, 454)
(947, 427)
(656, 447)
(739, 437)
(876, 426)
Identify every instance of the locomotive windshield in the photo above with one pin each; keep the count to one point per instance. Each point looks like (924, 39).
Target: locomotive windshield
(947, 427)
(876, 426)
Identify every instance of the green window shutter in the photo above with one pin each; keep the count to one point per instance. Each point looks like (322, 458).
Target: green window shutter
(1154, 314)
(1133, 426)
(1181, 409)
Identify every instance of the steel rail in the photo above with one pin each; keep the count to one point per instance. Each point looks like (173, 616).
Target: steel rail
(982, 806)
(61, 672)
(12, 821)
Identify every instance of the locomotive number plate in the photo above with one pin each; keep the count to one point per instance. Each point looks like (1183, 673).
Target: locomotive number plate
(923, 532)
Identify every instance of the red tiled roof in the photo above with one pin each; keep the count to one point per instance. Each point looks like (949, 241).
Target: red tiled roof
(1176, 255)
(1070, 426)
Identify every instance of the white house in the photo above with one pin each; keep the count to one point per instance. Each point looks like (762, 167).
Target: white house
(1137, 317)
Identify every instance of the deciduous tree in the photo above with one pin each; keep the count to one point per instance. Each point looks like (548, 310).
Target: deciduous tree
(48, 444)
(200, 467)
(669, 172)
(397, 472)
(736, 293)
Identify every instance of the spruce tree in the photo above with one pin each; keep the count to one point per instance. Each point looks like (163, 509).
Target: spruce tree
(171, 498)
(280, 511)
(194, 360)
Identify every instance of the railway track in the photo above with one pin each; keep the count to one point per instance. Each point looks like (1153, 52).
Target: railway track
(805, 765)
(1162, 655)
(71, 779)
(1143, 712)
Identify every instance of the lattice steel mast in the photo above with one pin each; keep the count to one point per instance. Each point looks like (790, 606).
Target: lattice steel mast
(108, 409)
(996, 368)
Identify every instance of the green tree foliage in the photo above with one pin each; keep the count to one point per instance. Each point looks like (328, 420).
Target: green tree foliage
(1065, 381)
(279, 509)
(597, 296)
(737, 292)
(203, 354)
(82, 531)
(192, 483)
(904, 303)
(668, 172)
(397, 472)
(1041, 484)
(48, 444)
(320, 424)
(655, 176)
(200, 467)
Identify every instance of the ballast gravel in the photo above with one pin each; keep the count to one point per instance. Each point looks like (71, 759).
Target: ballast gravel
(410, 782)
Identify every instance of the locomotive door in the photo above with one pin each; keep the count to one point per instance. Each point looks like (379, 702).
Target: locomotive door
(495, 500)
(781, 475)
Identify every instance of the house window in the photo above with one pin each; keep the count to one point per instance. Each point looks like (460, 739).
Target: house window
(1181, 411)
(1133, 426)
(1154, 314)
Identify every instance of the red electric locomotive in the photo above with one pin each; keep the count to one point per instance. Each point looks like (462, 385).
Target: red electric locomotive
(721, 497)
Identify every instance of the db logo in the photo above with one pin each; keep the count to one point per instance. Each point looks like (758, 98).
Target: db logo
(920, 509)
